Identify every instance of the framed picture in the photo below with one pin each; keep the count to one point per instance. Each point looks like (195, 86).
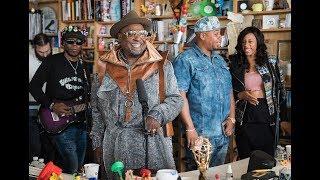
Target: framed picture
(284, 50)
(270, 21)
(49, 21)
(257, 23)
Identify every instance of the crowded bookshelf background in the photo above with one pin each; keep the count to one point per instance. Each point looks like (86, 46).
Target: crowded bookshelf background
(172, 23)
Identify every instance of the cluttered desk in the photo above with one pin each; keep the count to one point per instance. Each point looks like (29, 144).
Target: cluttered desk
(260, 165)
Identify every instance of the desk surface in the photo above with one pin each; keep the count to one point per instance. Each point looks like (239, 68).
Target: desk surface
(238, 168)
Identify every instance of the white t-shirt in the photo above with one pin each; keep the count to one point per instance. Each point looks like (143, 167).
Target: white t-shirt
(34, 64)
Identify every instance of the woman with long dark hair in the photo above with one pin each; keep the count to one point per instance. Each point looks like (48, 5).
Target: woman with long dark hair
(258, 86)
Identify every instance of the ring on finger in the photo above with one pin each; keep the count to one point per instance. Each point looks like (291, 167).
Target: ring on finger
(154, 131)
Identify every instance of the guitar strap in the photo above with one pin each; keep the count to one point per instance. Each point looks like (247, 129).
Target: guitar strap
(86, 91)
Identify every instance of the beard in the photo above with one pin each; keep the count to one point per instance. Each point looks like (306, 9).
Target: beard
(137, 52)
(41, 58)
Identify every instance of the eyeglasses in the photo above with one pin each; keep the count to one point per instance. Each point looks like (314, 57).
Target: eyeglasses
(141, 33)
(72, 41)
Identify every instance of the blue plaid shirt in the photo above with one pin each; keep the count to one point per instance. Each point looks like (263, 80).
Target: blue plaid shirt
(207, 83)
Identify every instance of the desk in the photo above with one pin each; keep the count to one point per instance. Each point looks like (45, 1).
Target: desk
(238, 168)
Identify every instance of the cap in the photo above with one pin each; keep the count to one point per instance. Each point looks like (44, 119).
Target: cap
(35, 158)
(73, 32)
(207, 23)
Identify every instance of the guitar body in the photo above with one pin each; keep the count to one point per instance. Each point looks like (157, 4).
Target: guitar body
(53, 123)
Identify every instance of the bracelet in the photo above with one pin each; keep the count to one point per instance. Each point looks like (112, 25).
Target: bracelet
(233, 120)
(51, 105)
(189, 130)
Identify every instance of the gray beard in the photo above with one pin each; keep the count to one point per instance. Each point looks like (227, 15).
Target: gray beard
(136, 53)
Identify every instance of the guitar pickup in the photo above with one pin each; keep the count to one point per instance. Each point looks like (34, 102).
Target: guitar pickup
(55, 116)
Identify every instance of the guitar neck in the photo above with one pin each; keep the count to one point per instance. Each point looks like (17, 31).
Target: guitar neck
(79, 107)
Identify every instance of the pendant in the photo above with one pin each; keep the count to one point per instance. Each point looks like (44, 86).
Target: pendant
(75, 72)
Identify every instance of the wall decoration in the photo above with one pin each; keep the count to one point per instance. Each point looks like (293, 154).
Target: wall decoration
(284, 50)
(270, 21)
(49, 21)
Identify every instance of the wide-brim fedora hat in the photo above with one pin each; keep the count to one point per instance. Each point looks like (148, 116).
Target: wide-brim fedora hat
(131, 18)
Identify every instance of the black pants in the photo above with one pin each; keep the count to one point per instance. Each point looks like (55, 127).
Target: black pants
(256, 132)
(40, 142)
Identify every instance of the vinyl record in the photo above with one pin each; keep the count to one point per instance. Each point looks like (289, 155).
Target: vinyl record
(207, 8)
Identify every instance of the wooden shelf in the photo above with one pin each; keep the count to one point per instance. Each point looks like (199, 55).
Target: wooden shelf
(78, 21)
(106, 22)
(87, 48)
(276, 30)
(104, 36)
(268, 12)
(160, 17)
(196, 19)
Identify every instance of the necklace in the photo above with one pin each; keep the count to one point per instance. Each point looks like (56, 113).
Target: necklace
(74, 68)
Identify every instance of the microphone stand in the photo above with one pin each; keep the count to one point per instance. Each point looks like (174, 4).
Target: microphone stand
(145, 110)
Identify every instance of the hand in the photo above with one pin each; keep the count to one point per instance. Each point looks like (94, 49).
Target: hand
(61, 109)
(192, 136)
(152, 125)
(228, 127)
(245, 95)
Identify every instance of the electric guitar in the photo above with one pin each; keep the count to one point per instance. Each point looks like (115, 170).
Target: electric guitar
(53, 123)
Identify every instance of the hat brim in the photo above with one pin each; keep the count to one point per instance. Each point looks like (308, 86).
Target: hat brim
(77, 35)
(114, 30)
(221, 27)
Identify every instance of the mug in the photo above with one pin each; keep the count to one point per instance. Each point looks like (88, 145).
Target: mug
(257, 7)
(167, 174)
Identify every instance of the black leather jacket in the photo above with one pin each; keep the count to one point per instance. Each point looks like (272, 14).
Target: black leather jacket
(237, 72)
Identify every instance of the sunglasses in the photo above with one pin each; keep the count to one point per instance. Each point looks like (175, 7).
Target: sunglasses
(72, 41)
(141, 33)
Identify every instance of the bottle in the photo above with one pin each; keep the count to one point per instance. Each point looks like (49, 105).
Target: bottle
(41, 163)
(34, 161)
(229, 175)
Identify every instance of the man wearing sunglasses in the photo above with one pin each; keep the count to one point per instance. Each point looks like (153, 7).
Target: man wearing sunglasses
(65, 96)
(118, 131)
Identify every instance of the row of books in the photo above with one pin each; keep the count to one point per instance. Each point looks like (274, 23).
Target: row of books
(77, 9)
(162, 29)
(106, 10)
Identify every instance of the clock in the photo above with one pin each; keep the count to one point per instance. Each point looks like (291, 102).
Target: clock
(242, 5)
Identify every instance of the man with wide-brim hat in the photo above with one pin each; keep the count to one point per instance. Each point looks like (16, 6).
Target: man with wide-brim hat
(118, 124)
(204, 81)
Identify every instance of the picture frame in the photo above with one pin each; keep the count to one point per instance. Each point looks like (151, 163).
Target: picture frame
(284, 50)
(257, 23)
(270, 21)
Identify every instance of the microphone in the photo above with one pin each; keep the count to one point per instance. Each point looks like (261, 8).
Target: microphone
(142, 96)
(143, 99)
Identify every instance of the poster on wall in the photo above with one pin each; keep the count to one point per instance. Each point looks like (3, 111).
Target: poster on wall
(49, 21)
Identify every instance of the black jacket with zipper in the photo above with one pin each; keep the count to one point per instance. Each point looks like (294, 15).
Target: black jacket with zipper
(237, 72)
